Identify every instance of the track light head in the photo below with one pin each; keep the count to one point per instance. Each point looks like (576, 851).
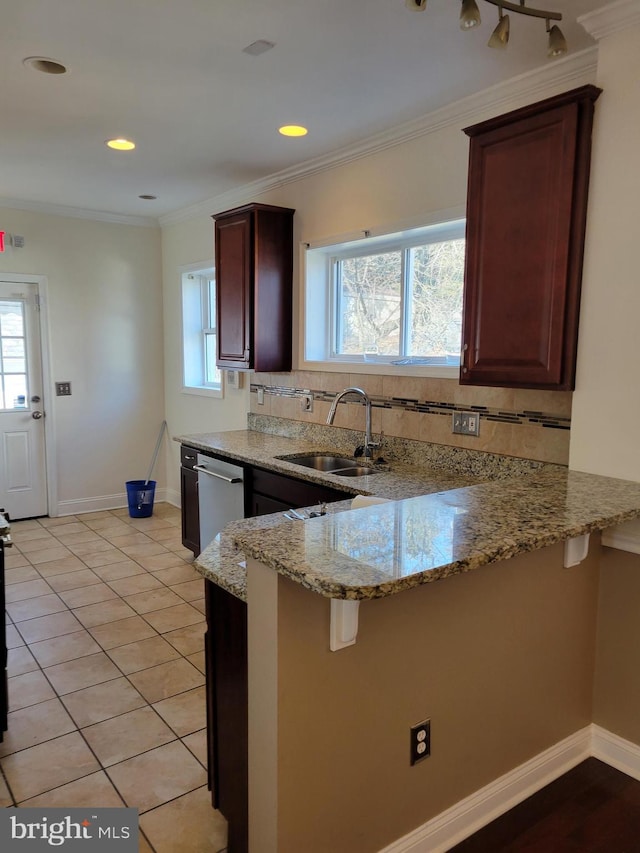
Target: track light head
(557, 42)
(469, 15)
(500, 36)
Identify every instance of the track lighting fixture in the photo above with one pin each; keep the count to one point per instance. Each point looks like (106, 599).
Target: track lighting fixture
(470, 18)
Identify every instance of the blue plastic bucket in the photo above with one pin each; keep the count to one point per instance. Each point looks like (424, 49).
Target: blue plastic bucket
(140, 497)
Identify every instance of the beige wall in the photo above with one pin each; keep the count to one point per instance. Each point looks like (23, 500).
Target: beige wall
(105, 324)
(183, 244)
(468, 653)
(617, 686)
(606, 405)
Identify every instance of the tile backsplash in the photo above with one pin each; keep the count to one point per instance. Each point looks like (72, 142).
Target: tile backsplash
(515, 422)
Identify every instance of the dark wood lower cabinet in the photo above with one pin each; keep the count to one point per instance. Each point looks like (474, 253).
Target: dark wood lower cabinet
(189, 499)
(227, 709)
(267, 492)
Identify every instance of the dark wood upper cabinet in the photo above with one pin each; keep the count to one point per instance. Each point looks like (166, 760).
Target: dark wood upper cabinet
(254, 270)
(526, 217)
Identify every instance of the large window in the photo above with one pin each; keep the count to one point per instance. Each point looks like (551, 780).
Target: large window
(395, 299)
(199, 333)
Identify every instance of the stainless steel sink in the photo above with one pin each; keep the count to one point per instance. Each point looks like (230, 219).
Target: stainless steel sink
(354, 471)
(342, 466)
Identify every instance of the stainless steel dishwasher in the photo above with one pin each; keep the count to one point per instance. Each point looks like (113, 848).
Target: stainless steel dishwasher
(220, 496)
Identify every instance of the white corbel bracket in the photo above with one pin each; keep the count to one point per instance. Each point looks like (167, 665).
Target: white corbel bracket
(344, 623)
(575, 550)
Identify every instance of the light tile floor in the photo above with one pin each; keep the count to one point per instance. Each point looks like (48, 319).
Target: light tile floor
(105, 630)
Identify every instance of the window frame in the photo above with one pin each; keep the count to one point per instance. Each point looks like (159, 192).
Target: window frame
(195, 329)
(319, 261)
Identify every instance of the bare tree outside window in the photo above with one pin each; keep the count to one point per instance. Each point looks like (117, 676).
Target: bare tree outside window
(370, 296)
(401, 303)
(436, 299)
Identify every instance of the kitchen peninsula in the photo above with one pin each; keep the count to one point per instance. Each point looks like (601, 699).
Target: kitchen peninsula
(500, 657)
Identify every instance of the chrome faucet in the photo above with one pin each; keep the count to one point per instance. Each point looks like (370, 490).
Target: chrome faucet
(368, 443)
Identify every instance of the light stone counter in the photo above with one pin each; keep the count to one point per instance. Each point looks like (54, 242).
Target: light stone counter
(438, 524)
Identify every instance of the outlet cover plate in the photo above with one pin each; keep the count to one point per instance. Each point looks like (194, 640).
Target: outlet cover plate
(420, 741)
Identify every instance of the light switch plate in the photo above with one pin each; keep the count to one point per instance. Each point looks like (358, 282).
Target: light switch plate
(466, 423)
(63, 389)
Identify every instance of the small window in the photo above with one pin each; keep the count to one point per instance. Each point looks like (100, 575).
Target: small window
(394, 299)
(200, 374)
(13, 359)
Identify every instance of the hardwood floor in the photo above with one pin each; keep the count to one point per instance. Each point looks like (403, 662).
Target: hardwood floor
(591, 809)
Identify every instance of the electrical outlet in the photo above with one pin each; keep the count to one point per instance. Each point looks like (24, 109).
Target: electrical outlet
(306, 402)
(260, 393)
(63, 389)
(466, 423)
(420, 741)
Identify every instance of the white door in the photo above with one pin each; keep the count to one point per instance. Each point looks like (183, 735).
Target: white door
(23, 488)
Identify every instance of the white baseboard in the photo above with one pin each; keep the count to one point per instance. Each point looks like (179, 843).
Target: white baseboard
(452, 826)
(102, 502)
(615, 751)
(173, 497)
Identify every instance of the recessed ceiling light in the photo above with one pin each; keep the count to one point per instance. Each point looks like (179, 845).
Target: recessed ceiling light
(293, 130)
(120, 144)
(148, 197)
(44, 64)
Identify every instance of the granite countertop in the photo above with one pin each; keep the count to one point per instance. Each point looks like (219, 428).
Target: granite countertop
(400, 480)
(437, 524)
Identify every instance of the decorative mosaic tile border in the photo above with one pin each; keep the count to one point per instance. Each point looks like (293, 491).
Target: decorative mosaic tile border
(543, 419)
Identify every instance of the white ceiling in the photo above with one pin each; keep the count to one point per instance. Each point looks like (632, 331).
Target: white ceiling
(171, 75)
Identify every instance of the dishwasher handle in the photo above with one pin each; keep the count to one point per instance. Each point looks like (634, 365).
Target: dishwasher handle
(203, 470)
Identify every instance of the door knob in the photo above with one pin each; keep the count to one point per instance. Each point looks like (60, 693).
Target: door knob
(36, 416)
(35, 399)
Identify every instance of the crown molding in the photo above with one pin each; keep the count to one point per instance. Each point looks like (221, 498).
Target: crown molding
(571, 71)
(611, 19)
(79, 213)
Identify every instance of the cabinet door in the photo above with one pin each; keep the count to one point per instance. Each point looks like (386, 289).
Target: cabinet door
(285, 492)
(234, 309)
(526, 211)
(227, 710)
(264, 505)
(190, 513)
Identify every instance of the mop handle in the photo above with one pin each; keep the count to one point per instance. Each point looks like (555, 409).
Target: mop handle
(155, 452)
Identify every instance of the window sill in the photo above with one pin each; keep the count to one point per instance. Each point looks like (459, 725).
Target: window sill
(383, 368)
(202, 391)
